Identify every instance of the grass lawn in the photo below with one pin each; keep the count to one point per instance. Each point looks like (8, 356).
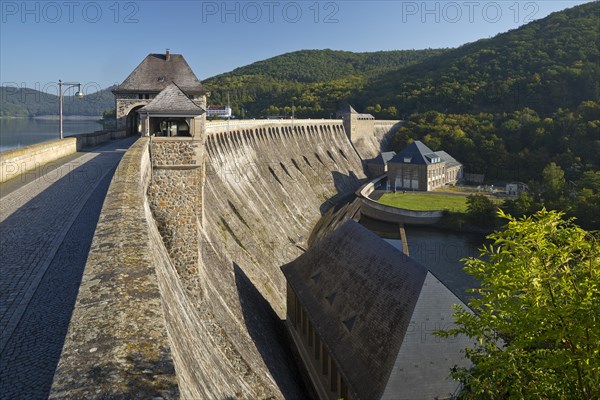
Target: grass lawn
(425, 201)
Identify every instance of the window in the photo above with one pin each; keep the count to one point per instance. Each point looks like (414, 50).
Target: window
(343, 390)
(325, 361)
(298, 312)
(333, 378)
(317, 347)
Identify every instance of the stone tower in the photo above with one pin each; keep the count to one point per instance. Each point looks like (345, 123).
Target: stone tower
(358, 126)
(162, 98)
(154, 74)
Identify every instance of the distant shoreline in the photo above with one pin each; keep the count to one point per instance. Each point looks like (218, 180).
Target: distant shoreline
(55, 117)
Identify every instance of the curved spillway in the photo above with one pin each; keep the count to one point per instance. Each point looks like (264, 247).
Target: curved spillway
(266, 188)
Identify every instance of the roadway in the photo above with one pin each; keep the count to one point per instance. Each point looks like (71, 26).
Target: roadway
(47, 222)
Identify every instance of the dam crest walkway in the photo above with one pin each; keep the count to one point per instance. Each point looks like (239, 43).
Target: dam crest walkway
(47, 221)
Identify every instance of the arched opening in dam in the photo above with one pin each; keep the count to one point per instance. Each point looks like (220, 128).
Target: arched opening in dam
(132, 121)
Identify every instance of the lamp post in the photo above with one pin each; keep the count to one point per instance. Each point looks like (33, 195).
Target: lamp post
(79, 95)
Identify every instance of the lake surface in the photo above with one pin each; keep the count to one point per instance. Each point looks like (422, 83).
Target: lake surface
(21, 132)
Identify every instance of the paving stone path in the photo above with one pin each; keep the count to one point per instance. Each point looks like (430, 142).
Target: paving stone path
(46, 229)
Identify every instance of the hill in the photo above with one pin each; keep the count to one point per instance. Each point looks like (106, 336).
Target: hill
(318, 81)
(550, 63)
(25, 102)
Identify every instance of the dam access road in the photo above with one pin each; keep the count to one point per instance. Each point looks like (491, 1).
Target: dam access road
(47, 221)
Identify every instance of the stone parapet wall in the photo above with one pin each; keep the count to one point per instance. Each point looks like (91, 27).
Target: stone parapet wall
(85, 140)
(19, 161)
(117, 345)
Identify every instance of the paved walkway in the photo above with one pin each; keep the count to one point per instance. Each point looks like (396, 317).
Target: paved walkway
(46, 228)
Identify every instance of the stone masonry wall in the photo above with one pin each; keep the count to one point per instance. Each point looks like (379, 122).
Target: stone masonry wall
(175, 196)
(267, 186)
(124, 103)
(174, 152)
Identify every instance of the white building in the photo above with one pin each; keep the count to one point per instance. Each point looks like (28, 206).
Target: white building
(218, 112)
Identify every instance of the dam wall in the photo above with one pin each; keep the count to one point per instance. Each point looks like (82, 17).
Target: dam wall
(152, 322)
(136, 332)
(267, 185)
(370, 144)
(16, 162)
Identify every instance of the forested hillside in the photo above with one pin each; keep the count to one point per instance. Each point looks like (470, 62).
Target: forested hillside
(24, 102)
(318, 81)
(550, 63)
(544, 65)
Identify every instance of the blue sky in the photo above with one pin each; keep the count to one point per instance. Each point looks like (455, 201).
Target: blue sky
(99, 43)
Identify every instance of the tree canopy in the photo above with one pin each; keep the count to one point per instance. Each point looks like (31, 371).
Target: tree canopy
(535, 320)
(545, 65)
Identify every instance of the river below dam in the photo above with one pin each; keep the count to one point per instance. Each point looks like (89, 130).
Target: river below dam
(19, 132)
(440, 251)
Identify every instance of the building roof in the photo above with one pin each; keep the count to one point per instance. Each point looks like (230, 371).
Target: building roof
(172, 101)
(417, 153)
(383, 158)
(361, 294)
(157, 71)
(448, 159)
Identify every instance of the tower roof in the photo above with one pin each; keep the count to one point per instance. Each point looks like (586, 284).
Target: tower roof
(157, 71)
(172, 101)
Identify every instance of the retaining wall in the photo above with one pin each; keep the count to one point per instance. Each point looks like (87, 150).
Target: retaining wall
(18, 161)
(382, 212)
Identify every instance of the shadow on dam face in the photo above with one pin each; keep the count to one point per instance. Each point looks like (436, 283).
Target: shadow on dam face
(344, 186)
(268, 333)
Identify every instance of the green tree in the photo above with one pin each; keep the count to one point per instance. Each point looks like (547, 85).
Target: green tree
(522, 205)
(587, 200)
(108, 120)
(481, 210)
(554, 187)
(535, 320)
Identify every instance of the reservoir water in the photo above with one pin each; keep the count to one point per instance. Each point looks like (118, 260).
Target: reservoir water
(19, 132)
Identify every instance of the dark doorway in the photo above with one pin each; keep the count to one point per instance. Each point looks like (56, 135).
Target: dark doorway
(133, 121)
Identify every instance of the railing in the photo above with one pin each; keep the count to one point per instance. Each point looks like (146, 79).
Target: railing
(261, 122)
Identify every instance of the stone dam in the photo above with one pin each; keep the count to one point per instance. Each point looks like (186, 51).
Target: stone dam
(182, 295)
